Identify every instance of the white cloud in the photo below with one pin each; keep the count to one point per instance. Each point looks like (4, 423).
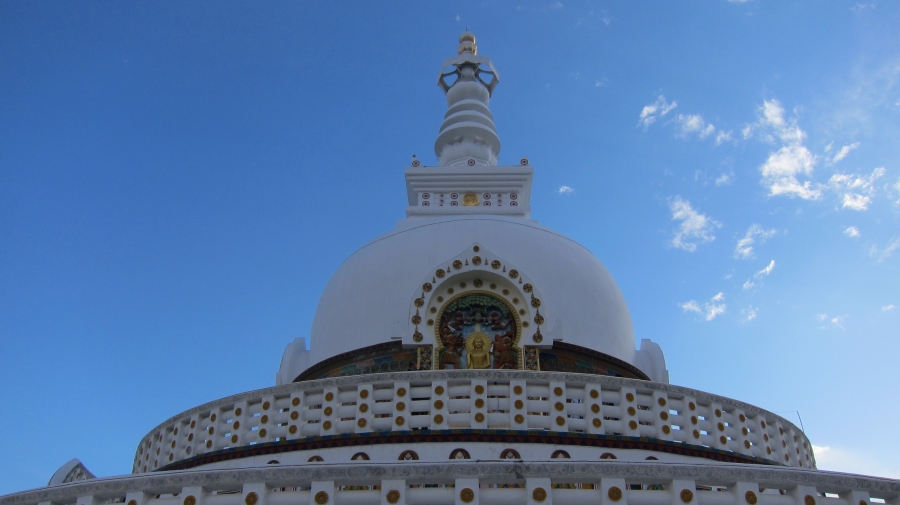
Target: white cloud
(458, 18)
(659, 108)
(565, 190)
(782, 168)
(852, 232)
(692, 124)
(723, 136)
(748, 285)
(886, 252)
(844, 152)
(749, 314)
(744, 247)
(765, 271)
(694, 227)
(857, 190)
(830, 321)
(709, 310)
(725, 179)
(887, 308)
(556, 5)
(828, 147)
(836, 459)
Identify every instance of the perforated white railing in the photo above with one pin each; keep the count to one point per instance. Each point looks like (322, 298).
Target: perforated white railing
(478, 400)
(478, 483)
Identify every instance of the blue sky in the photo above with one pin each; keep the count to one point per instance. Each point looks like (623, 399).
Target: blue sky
(178, 181)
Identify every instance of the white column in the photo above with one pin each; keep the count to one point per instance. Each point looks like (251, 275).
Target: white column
(322, 493)
(660, 409)
(691, 421)
(539, 491)
(254, 494)
(393, 492)
(593, 399)
(295, 425)
(629, 416)
(365, 406)
(239, 424)
(466, 492)
(717, 430)
(330, 405)
(559, 419)
(610, 489)
(478, 409)
(518, 404)
(400, 421)
(439, 406)
(741, 425)
(266, 419)
(805, 495)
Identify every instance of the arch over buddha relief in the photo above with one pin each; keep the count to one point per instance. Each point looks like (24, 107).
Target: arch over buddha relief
(477, 311)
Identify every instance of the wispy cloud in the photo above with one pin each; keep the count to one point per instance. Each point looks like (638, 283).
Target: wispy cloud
(659, 108)
(565, 190)
(852, 231)
(748, 285)
(836, 459)
(744, 247)
(765, 271)
(694, 227)
(887, 308)
(844, 152)
(884, 253)
(693, 124)
(709, 310)
(556, 6)
(725, 179)
(830, 321)
(856, 190)
(749, 314)
(723, 137)
(782, 168)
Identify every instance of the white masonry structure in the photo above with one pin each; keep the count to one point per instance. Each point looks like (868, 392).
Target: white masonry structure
(497, 352)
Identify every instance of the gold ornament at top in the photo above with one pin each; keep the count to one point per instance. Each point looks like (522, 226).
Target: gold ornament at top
(470, 199)
(478, 345)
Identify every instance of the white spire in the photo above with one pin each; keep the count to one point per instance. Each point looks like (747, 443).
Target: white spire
(468, 136)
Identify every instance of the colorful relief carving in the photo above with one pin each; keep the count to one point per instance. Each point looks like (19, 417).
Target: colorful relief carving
(477, 331)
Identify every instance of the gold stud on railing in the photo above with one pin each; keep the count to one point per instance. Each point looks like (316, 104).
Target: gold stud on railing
(687, 495)
(614, 493)
(539, 494)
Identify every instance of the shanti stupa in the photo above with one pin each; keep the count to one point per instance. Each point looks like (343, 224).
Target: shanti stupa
(470, 356)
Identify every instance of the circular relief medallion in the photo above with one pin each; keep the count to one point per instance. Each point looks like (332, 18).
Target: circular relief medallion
(477, 283)
(295, 402)
(295, 415)
(321, 498)
(559, 406)
(479, 417)
(519, 404)
(631, 411)
(527, 288)
(664, 416)
(326, 425)
(364, 393)
(328, 411)
(399, 421)
(687, 495)
(629, 397)
(513, 273)
(595, 394)
(476, 260)
(190, 500)
(723, 440)
(426, 287)
(692, 406)
(633, 425)
(614, 493)
(718, 413)
(661, 401)
(438, 419)
(417, 336)
(479, 389)
(292, 430)
(471, 162)
(597, 422)
(560, 420)
(251, 498)
(454, 196)
(539, 494)
(538, 319)
(470, 199)
(361, 423)
(467, 495)
(440, 273)
(747, 444)
(439, 390)
(750, 496)
(666, 429)
(266, 405)
(419, 302)
(595, 408)
(809, 500)
(401, 392)
(393, 496)
(457, 264)
(517, 390)
(262, 432)
(364, 407)
(495, 264)
(401, 406)
(520, 418)
(438, 404)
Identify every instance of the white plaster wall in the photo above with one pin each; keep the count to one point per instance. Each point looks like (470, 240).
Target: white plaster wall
(366, 301)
